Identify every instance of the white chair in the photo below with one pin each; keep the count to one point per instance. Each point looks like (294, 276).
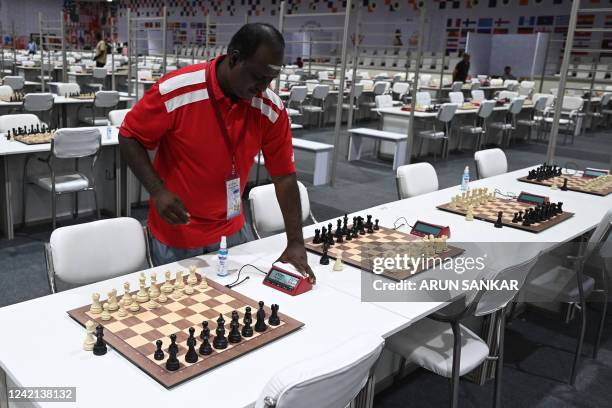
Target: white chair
(12, 122)
(399, 91)
(39, 102)
(70, 144)
(478, 95)
(319, 93)
(415, 179)
(444, 346)
(145, 75)
(15, 82)
(495, 82)
(423, 98)
(81, 254)
(490, 162)
(294, 79)
(330, 380)
(311, 84)
(357, 92)
(445, 115)
(266, 215)
(506, 127)
(115, 117)
(526, 88)
(571, 108)
(509, 95)
(297, 95)
(541, 102)
(511, 84)
(6, 91)
(456, 97)
(479, 128)
(100, 74)
(456, 86)
(103, 100)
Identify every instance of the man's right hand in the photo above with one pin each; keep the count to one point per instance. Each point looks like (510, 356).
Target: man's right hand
(170, 207)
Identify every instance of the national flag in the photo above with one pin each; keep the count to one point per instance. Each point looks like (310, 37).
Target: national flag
(500, 31)
(500, 22)
(485, 22)
(468, 22)
(527, 21)
(545, 20)
(585, 19)
(525, 30)
(608, 20)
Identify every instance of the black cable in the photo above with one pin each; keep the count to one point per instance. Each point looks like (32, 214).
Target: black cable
(508, 194)
(402, 224)
(236, 283)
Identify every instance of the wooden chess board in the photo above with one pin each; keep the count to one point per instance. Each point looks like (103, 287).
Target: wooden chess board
(83, 96)
(134, 336)
(384, 242)
(37, 138)
(488, 212)
(575, 183)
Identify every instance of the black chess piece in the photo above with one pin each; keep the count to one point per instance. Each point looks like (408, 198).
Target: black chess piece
(515, 219)
(173, 345)
(370, 228)
(361, 225)
(499, 223)
(205, 348)
(349, 235)
(564, 186)
(340, 238)
(323, 234)
(38, 128)
(159, 353)
(234, 335)
(325, 256)
(260, 324)
(369, 221)
(560, 207)
(8, 134)
(99, 348)
(520, 216)
(376, 227)
(247, 330)
(330, 238)
(172, 364)
(317, 237)
(527, 218)
(338, 227)
(274, 319)
(220, 341)
(355, 231)
(345, 224)
(205, 330)
(192, 355)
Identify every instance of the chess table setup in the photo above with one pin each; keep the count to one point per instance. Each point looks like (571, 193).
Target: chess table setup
(15, 97)
(592, 181)
(359, 243)
(422, 108)
(155, 327)
(78, 95)
(33, 135)
(527, 215)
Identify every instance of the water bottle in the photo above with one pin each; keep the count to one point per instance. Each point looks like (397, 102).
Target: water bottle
(222, 255)
(109, 133)
(465, 179)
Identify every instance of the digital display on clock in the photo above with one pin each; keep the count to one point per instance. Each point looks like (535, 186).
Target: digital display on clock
(283, 279)
(595, 173)
(427, 229)
(532, 199)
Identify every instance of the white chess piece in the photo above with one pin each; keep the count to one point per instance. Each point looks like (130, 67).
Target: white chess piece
(192, 279)
(179, 280)
(122, 311)
(338, 263)
(444, 243)
(153, 289)
(105, 314)
(188, 289)
(142, 296)
(151, 304)
(89, 342)
(134, 306)
(177, 294)
(203, 283)
(96, 306)
(470, 213)
(162, 298)
(167, 287)
(112, 300)
(127, 298)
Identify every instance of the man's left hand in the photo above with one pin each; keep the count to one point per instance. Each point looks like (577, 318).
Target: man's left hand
(295, 254)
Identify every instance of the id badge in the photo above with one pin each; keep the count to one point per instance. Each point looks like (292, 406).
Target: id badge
(234, 201)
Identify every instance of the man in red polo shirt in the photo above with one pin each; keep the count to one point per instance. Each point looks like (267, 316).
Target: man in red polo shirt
(208, 122)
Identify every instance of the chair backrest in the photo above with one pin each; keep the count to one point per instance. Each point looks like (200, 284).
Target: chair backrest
(330, 380)
(367, 83)
(508, 83)
(6, 90)
(298, 94)
(294, 78)
(486, 109)
(38, 102)
(416, 179)
(145, 74)
(516, 105)
(320, 92)
(358, 90)
(496, 82)
(311, 84)
(526, 87)
(115, 117)
(540, 102)
(478, 95)
(15, 82)
(600, 233)
(447, 112)
(10, 122)
(572, 103)
(456, 97)
(475, 85)
(400, 88)
(383, 101)
(490, 162)
(323, 75)
(67, 88)
(100, 72)
(381, 87)
(76, 142)
(456, 86)
(265, 210)
(508, 95)
(605, 99)
(423, 98)
(77, 69)
(106, 99)
(85, 253)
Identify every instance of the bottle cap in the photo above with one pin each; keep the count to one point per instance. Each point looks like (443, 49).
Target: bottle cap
(223, 242)
(467, 168)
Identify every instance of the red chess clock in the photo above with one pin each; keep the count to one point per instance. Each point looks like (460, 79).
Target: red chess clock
(590, 172)
(422, 229)
(532, 199)
(291, 283)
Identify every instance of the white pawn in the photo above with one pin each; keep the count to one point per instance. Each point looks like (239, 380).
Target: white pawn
(188, 289)
(153, 289)
(122, 311)
(89, 338)
(338, 263)
(177, 292)
(112, 300)
(203, 283)
(179, 280)
(134, 306)
(470, 213)
(162, 298)
(142, 296)
(105, 314)
(127, 298)
(167, 287)
(444, 243)
(96, 307)
(192, 279)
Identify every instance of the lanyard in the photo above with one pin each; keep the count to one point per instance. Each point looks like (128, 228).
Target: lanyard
(228, 142)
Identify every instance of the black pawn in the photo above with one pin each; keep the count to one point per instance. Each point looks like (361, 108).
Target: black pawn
(564, 186)
(520, 216)
(317, 237)
(499, 223)
(247, 330)
(515, 219)
(376, 227)
(274, 319)
(220, 341)
(192, 355)
(234, 335)
(205, 330)
(349, 235)
(330, 238)
(260, 324)
(560, 207)
(172, 364)
(100, 346)
(173, 345)
(205, 348)
(324, 256)
(159, 353)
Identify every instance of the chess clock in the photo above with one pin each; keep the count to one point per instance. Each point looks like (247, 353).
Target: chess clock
(291, 283)
(590, 172)
(532, 199)
(422, 229)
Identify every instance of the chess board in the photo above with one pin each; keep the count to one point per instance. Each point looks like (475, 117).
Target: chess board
(488, 212)
(384, 242)
(574, 183)
(37, 138)
(83, 96)
(134, 336)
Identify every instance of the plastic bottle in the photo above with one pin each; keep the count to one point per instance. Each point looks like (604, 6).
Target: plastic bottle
(222, 255)
(109, 133)
(465, 179)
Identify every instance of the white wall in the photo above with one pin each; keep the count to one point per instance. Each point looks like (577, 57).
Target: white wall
(24, 14)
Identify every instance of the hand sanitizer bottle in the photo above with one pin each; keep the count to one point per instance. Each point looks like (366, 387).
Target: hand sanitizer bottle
(465, 179)
(222, 255)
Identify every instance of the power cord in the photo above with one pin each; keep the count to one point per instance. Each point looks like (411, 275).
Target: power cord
(508, 194)
(236, 283)
(396, 227)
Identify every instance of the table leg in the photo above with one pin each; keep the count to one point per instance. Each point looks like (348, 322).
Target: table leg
(123, 194)
(7, 199)
(3, 390)
(355, 144)
(399, 158)
(64, 116)
(321, 168)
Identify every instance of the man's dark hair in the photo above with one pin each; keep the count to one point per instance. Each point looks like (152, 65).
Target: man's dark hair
(507, 68)
(98, 36)
(251, 36)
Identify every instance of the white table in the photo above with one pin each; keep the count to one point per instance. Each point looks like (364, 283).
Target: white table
(335, 299)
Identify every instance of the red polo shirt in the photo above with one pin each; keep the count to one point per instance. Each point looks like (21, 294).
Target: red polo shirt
(175, 115)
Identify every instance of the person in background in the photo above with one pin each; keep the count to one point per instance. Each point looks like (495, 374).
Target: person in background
(32, 47)
(299, 62)
(462, 69)
(124, 50)
(507, 73)
(397, 41)
(101, 51)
